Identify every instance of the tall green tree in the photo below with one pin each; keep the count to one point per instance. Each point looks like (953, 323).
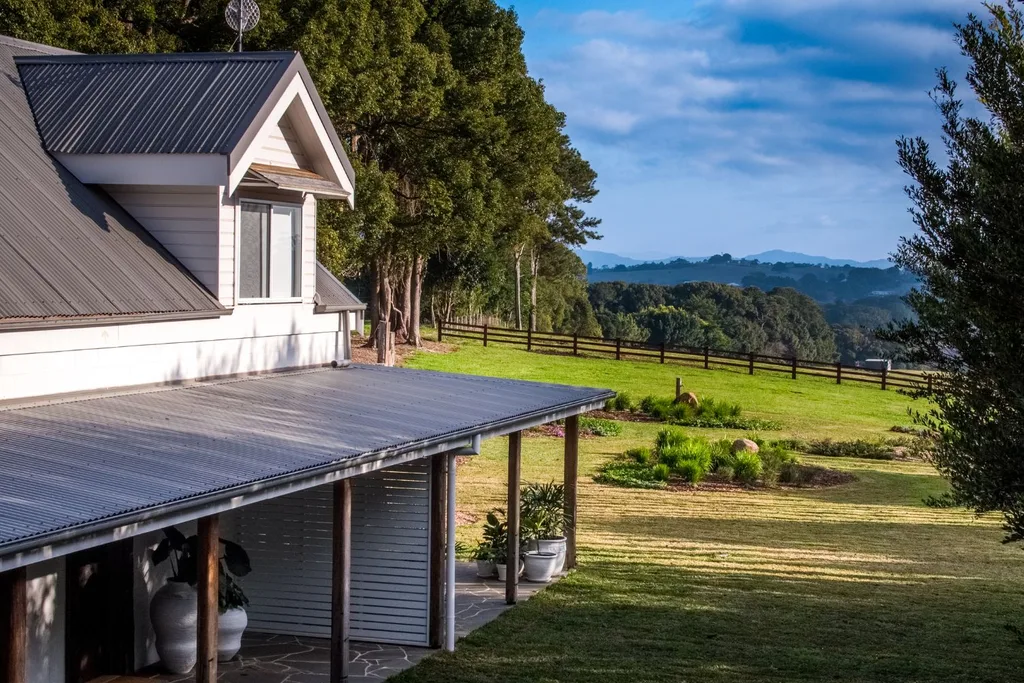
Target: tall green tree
(968, 204)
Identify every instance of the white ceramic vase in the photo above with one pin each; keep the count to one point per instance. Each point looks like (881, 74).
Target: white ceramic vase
(540, 566)
(556, 546)
(484, 569)
(174, 614)
(230, 626)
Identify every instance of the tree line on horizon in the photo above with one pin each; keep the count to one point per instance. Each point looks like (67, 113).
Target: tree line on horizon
(469, 192)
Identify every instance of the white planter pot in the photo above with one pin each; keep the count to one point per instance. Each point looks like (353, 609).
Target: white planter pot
(174, 615)
(540, 567)
(230, 626)
(556, 546)
(502, 571)
(484, 569)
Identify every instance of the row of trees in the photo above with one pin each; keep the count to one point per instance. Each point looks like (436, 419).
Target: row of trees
(463, 168)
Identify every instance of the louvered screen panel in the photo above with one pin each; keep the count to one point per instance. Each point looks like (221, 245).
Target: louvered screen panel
(289, 542)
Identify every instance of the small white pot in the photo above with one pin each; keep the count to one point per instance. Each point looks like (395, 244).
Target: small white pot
(503, 571)
(484, 569)
(540, 567)
(174, 614)
(230, 626)
(556, 546)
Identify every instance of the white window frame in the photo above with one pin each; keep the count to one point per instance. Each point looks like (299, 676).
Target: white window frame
(239, 299)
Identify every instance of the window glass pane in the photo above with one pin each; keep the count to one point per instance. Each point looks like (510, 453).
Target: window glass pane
(253, 263)
(284, 228)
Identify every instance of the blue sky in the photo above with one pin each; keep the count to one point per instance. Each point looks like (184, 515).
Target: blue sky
(745, 125)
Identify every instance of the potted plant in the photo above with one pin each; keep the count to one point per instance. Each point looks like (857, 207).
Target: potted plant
(484, 556)
(174, 610)
(539, 564)
(496, 537)
(544, 506)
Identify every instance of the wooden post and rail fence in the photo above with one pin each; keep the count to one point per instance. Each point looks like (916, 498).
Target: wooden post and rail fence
(708, 358)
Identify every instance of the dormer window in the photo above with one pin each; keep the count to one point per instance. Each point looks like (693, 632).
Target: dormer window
(270, 251)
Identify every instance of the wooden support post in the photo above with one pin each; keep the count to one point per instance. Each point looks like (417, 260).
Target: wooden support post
(794, 367)
(570, 479)
(438, 467)
(13, 626)
(679, 387)
(341, 573)
(885, 377)
(440, 331)
(575, 344)
(707, 358)
(529, 340)
(208, 572)
(929, 384)
(515, 453)
(751, 362)
(662, 353)
(618, 349)
(485, 335)
(839, 373)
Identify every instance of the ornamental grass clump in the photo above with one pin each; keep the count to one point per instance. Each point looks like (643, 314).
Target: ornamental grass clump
(708, 413)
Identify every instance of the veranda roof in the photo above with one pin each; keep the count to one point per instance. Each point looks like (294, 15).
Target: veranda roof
(90, 467)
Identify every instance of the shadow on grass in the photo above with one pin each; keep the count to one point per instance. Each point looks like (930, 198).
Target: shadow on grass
(626, 622)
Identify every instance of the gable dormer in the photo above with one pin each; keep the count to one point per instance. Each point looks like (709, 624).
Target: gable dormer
(220, 156)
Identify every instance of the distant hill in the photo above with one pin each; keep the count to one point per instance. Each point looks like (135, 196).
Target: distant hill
(606, 259)
(780, 256)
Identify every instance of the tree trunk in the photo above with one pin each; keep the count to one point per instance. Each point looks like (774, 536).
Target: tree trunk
(518, 254)
(534, 270)
(373, 306)
(405, 331)
(416, 282)
(385, 305)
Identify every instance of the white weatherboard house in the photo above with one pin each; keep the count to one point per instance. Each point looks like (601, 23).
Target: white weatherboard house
(171, 353)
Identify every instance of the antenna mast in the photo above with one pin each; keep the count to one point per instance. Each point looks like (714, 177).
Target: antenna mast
(242, 16)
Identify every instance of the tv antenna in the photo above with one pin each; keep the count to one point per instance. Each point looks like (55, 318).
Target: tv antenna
(242, 16)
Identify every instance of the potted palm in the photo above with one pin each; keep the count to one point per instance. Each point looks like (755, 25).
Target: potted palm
(173, 610)
(496, 537)
(544, 506)
(484, 556)
(539, 564)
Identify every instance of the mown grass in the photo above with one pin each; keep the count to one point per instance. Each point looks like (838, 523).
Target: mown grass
(855, 583)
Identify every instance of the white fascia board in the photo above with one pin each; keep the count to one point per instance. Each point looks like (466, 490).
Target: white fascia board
(147, 169)
(296, 90)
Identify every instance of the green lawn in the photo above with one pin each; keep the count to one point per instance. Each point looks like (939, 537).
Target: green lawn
(856, 583)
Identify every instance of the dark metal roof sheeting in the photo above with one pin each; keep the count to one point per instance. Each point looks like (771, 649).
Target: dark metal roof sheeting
(151, 103)
(68, 251)
(333, 295)
(80, 462)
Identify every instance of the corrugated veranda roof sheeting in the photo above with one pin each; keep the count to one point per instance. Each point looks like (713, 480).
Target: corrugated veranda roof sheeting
(78, 462)
(68, 251)
(149, 103)
(334, 296)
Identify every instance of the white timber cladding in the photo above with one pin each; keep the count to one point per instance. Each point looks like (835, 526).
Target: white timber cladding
(289, 543)
(46, 586)
(186, 220)
(225, 291)
(253, 338)
(281, 147)
(308, 248)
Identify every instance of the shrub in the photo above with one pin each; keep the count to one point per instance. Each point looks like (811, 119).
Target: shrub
(661, 472)
(725, 472)
(629, 474)
(599, 427)
(667, 438)
(773, 459)
(622, 402)
(746, 467)
(692, 471)
(790, 444)
(721, 454)
(641, 454)
(861, 448)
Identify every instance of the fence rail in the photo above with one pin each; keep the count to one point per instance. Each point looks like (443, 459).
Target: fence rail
(707, 358)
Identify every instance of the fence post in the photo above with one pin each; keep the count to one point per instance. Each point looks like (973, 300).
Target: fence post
(663, 353)
(529, 340)
(679, 387)
(751, 362)
(707, 353)
(618, 349)
(440, 331)
(839, 372)
(885, 376)
(575, 344)
(929, 384)
(485, 334)
(794, 367)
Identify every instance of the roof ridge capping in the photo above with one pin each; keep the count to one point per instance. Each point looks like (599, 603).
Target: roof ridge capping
(10, 41)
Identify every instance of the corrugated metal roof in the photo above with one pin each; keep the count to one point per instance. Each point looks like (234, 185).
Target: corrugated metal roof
(69, 252)
(333, 295)
(150, 103)
(76, 463)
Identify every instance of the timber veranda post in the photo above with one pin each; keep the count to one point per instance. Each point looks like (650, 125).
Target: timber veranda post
(570, 480)
(515, 453)
(14, 626)
(208, 592)
(341, 580)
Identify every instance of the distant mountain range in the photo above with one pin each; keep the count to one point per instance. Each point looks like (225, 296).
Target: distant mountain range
(604, 259)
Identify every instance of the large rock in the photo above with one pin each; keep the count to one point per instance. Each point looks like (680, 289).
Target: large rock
(744, 446)
(689, 398)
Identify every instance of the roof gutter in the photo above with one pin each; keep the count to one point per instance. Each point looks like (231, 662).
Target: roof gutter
(82, 537)
(25, 325)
